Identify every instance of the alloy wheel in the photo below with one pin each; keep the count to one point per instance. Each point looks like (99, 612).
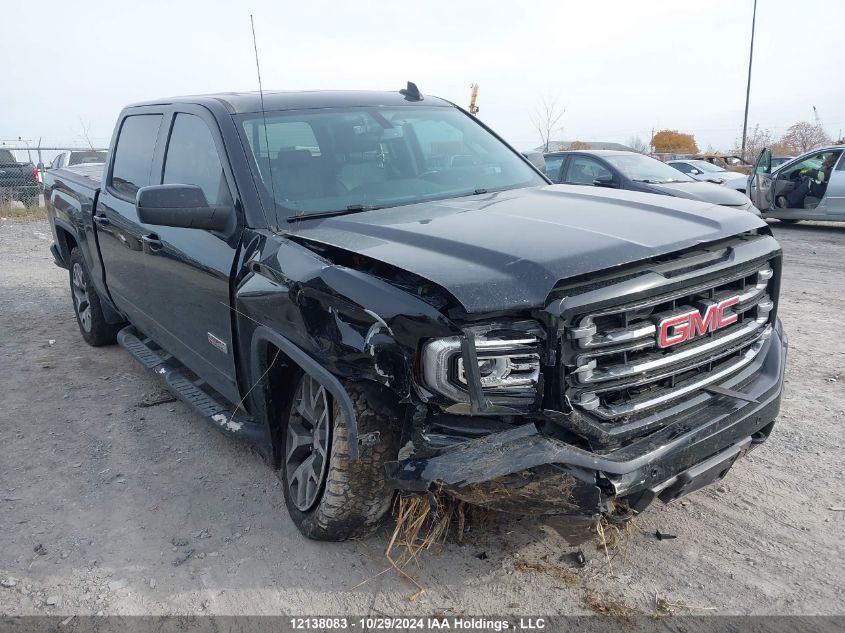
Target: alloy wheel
(307, 443)
(80, 296)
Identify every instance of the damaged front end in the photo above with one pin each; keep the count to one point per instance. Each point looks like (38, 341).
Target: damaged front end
(578, 408)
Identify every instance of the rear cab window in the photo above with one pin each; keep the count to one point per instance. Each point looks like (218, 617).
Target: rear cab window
(133, 155)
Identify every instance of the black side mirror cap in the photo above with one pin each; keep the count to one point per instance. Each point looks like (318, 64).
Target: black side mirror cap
(605, 181)
(182, 206)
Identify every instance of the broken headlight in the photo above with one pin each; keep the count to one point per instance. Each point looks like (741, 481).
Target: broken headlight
(508, 365)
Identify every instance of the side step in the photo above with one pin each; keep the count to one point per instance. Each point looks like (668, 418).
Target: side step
(231, 422)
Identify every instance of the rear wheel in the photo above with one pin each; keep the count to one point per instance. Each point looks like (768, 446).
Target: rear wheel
(86, 304)
(30, 202)
(329, 496)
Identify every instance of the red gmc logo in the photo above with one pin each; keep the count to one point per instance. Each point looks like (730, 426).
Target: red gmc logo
(682, 327)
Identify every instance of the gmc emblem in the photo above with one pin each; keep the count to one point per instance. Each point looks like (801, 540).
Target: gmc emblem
(682, 327)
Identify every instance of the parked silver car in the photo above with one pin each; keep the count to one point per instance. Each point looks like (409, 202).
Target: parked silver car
(809, 187)
(708, 172)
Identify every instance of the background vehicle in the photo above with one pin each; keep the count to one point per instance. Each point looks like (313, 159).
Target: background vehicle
(18, 180)
(777, 161)
(767, 184)
(637, 172)
(348, 273)
(79, 157)
(726, 161)
(708, 172)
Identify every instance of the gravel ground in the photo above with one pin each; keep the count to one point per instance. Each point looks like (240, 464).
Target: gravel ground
(109, 505)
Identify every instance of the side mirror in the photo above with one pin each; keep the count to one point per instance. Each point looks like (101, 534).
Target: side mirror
(182, 206)
(605, 180)
(695, 172)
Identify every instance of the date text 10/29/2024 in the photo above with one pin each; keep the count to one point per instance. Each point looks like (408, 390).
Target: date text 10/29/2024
(477, 624)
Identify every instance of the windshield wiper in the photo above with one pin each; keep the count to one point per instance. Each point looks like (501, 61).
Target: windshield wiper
(357, 208)
(352, 208)
(648, 181)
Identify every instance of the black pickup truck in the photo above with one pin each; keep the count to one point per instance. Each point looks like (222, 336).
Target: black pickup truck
(380, 294)
(18, 180)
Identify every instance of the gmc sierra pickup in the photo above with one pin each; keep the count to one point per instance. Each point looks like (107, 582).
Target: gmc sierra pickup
(380, 294)
(18, 180)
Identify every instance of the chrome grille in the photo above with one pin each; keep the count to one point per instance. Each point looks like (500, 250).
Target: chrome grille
(617, 371)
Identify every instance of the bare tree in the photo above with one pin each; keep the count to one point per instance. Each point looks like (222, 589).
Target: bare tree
(755, 142)
(803, 136)
(546, 119)
(638, 145)
(85, 134)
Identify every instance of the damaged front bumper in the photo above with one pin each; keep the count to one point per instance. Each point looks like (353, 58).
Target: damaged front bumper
(524, 469)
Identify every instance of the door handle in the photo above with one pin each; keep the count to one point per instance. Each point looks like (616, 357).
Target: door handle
(152, 241)
(101, 220)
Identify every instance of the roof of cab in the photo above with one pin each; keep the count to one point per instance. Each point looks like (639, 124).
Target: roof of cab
(249, 102)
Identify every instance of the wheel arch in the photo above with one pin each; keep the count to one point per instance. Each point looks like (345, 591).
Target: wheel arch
(65, 239)
(264, 364)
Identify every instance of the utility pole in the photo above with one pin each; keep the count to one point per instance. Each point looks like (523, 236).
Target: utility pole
(748, 88)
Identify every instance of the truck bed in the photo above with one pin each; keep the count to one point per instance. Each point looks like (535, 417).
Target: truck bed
(88, 176)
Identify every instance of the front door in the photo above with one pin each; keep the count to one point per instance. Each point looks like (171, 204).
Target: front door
(188, 270)
(835, 194)
(812, 188)
(584, 170)
(760, 181)
(119, 232)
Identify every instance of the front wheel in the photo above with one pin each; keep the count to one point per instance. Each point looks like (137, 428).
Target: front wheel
(329, 496)
(86, 304)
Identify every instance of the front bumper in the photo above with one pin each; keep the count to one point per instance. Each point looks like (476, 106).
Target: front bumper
(522, 469)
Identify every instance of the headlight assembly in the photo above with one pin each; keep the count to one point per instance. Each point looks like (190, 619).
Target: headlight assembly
(508, 366)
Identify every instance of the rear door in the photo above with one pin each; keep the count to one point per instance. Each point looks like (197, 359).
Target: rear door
(760, 181)
(188, 270)
(119, 232)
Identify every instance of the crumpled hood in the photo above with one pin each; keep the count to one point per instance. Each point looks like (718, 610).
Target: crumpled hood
(507, 251)
(703, 191)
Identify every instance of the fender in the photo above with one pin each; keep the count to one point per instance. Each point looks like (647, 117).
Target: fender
(263, 334)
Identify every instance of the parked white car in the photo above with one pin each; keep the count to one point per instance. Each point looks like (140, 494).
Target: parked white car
(809, 187)
(708, 172)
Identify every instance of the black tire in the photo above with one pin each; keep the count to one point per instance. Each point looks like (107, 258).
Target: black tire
(788, 221)
(353, 496)
(86, 305)
(30, 202)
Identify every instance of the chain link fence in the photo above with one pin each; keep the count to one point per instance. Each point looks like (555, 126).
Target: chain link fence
(22, 169)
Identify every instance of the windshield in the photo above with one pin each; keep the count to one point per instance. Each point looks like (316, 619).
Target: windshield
(318, 161)
(704, 166)
(645, 169)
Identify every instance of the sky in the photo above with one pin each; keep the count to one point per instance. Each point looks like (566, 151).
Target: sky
(619, 68)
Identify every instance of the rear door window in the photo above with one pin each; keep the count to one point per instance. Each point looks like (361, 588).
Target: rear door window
(192, 159)
(133, 157)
